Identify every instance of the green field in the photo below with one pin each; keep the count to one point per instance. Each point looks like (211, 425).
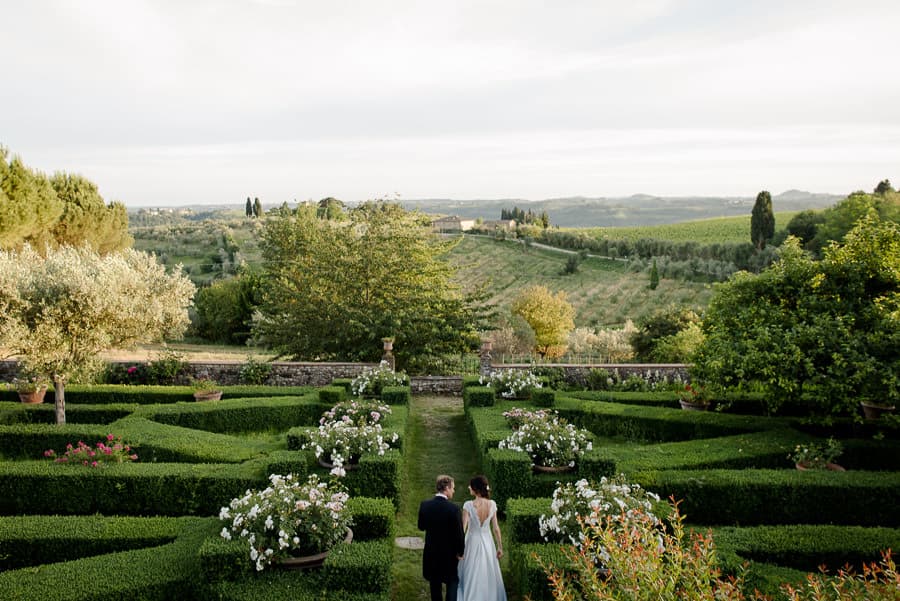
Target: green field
(705, 231)
(603, 292)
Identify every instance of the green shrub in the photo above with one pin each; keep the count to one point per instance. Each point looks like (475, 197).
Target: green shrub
(543, 397)
(478, 396)
(525, 564)
(372, 518)
(45, 413)
(31, 540)
(254, 372)
(331, 395)
(360, 567)
(241, 415)
(345, 383)
(468, 381)
(395, 395)
(522, 519)
(44, 487)
(166, 367)
(759, 497)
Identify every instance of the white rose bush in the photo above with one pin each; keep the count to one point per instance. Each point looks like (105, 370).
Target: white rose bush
(289, 518)
(549, 440)
(584, 503)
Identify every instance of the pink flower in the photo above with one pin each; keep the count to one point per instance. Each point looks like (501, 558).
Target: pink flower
(49, 453)
(110, 437)
(134, 457)
(94, 464)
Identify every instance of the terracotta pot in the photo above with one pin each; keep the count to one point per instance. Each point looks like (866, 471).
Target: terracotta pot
(310, 561)
(875, 411)
(33, 397)
(550, 469)
(689, 406)
(207, 395)
(834, 467)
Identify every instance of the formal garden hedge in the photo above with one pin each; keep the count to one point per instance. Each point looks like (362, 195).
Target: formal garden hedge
(729, 472)
(75, 532)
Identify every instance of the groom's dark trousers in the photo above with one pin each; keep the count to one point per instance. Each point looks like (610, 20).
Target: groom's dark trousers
(444, 543)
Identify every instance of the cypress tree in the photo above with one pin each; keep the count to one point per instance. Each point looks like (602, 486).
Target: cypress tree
(762, 220)
(654, 276)
(249, 208)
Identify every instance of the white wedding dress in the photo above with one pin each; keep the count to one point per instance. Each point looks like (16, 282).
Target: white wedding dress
(479, 570)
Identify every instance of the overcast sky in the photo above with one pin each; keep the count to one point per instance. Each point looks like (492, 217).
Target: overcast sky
(188, 101)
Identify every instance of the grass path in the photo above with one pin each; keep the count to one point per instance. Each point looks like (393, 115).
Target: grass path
(437, 442)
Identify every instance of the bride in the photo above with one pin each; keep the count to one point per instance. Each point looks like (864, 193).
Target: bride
(479, 569)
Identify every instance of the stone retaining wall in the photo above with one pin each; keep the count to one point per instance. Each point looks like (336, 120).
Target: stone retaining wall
(288, 373)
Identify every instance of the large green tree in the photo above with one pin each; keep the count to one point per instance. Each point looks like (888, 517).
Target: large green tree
(822, 334)
(843, 216)
(60, 311)
(61, 210)
(333, 289)
(87, 218)
(550, 315)
(762, 220)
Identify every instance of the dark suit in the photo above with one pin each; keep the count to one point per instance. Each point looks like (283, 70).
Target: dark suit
(444, 542)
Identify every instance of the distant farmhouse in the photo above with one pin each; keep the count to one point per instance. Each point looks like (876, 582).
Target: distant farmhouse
(498, 224)
(454, 223)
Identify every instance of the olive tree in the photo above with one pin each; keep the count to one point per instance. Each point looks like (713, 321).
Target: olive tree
(60, 310)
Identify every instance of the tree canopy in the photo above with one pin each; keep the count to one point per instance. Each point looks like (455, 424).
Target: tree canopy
(549, 315)
(332, 289)
(824, 334)
(60, 210)
(59, 311)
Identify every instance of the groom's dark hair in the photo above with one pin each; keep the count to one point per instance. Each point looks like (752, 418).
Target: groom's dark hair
(443, 482)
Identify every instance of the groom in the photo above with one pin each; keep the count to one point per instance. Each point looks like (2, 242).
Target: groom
(444, 542)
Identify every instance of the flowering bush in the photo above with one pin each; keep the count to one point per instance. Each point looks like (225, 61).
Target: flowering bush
(372, 380)
(111, 450)
(693, 394)
(511, 383)
(550, 441)
(645, 562)
(360, 412)
(816, 455)
(516, 416)
(584, 502)
(287, 518)
(341, 442)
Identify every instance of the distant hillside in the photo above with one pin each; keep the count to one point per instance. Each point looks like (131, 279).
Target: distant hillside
(635, 210)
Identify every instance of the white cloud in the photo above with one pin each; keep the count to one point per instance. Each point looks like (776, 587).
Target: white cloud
(488, 98)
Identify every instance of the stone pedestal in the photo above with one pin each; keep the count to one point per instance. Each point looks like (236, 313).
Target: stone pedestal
(485, 364)
(388, 355)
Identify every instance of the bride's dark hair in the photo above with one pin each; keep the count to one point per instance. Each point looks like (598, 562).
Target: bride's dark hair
(480, 485)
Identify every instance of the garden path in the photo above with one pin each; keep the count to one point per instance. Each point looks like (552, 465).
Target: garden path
(437, 442)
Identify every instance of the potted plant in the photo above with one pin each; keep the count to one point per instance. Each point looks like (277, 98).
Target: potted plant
(291, 523)
(511, 383)
(553, 444)
(817, 456)
(206, 389)
(693, 398)
(31, 387)
(339, 444)
(372, 380)
(592, 503)
(357, 411)
(872, 410)
(516, 416)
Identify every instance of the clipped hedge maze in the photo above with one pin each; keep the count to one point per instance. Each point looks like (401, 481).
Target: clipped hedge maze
(147, 530)
(728, 471)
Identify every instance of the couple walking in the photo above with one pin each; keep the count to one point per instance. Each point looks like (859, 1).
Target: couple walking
(459, 549)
